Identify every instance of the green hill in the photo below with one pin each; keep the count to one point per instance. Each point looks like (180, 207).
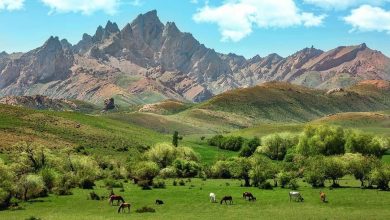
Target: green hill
(283, 102)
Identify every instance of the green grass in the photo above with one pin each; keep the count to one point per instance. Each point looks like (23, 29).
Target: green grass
(185, 202)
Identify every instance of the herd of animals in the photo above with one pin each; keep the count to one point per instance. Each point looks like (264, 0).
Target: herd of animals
(293, 195)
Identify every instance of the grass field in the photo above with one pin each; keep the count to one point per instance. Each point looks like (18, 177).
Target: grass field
(191, 202)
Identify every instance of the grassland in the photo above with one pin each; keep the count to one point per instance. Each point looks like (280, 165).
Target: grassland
(192, 202)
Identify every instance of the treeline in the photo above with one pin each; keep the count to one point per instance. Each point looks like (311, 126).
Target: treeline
(314, 140)
(319, 153)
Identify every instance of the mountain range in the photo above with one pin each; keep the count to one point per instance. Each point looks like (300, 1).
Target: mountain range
(148, 61)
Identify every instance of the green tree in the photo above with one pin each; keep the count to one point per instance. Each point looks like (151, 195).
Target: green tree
(262, 169)
(275, 146)
(334, 169)
(163, 154)
(6, 185)
(360, 166)
(314, 173)
(31, 185)
(175, 139)
(144, 172)
(240, 169)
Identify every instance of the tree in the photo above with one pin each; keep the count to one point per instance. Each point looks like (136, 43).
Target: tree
(144, 172)
(314, 172)
(222, 169)
(380, 177)
(366, 144)
(240, 169)
(275, 146)
(175, 139)
(163, 154)
(6, 185)
(250, 147)
(262, 169)
(322, 139)
(334, 169)
(31, 185)
(360, 166)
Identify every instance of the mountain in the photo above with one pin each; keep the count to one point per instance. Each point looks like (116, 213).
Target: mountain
(148, 61)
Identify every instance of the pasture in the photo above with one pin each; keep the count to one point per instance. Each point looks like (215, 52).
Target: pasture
(192, 202)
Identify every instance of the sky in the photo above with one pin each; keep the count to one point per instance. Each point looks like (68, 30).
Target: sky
(244, 27)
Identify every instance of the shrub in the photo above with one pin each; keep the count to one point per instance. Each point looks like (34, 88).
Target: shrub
(110, 183)
(159, 184)
(94, 196)
(381, 177)
(284, 179)
(221, 169)
(145, 209)
(145, 172)
(315, 171)
(182, 183)
(32, 218)
(6, 185)
(185, 168)
(87, 184)
(174, 183)
(226, 143)
(366, 144)
(168, 172)
(265, 185)
(293, 184)
(49, 177)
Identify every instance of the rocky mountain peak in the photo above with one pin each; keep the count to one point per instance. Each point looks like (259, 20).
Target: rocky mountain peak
(53, 43)
(111, 27)
(65, 44)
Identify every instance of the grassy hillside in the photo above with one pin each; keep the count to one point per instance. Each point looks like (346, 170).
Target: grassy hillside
(285, 102)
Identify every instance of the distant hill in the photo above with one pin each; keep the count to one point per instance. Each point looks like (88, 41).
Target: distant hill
(40, 102)
(284, 102)
(147, 61)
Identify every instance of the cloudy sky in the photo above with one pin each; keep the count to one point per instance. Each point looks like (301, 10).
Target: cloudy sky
(245, 27)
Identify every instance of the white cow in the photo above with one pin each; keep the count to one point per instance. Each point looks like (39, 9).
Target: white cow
(213, 197)
(296, 196)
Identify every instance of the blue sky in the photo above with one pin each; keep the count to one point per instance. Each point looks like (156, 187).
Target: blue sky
(245, 27)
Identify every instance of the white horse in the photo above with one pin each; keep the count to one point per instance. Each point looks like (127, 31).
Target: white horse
(213, 197)
(296, 196)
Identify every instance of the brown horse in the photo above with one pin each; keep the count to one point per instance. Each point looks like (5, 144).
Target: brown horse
(117, 198)
(322, 196)
(123, 206)
(249, 196)
(227, 198)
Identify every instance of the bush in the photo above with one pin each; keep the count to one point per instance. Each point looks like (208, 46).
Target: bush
(182, 183)
(145, 172)
(168, 172)
(145, 209)
(159, 184)
(162, 154)
(366, 144)
(110, 183)
(226, 143)
(293, 184)
(185, 168)
(315, 172)
(94, 196)
(284, 179)
(381, 177)
(87, 184)
(49, 177)
(6, 185)
(265, 185)
(174, 183)
(32, 218)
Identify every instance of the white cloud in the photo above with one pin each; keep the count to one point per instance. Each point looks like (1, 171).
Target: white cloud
(343, 4)
(11, 5)
(236, 18)
(83, 6)
(369, 18)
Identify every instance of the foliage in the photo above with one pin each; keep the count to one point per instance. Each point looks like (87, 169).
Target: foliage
(145, 209)
(380, 177)
(366, 144)
(175, 139)
(226, 143)
(186, 168)
(315, 171)
(145, 172)
(275, 146)
(30, 186)
(334, 169)
(321, 139)
(250, 147)
(262, 169)
(163, 154)
(6, 185)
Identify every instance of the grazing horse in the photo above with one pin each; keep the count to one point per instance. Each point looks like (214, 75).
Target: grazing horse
(123, 206)
(117, 198)
(248, 195)
(322, 196)
(227, 198)
(213, 197)
(296, 196)
(159, 202)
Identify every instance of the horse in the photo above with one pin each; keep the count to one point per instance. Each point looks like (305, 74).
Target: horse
(296, 196)
(159, 202)
(227, 198)
(322, 196)
(213, 197)
(123, 206)
(117, 198)
(248, 195)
